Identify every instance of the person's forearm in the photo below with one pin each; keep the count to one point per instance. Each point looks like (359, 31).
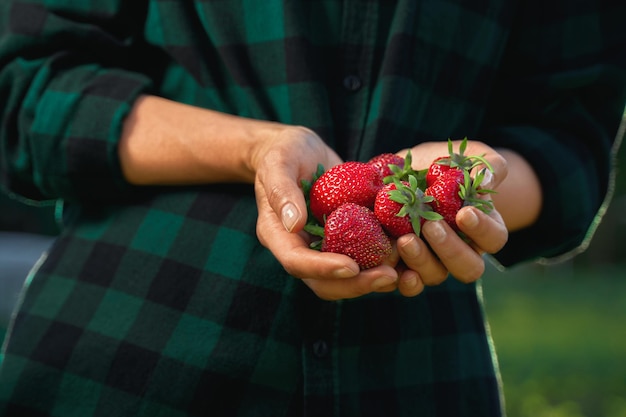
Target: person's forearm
(519, 198)
(165, 142)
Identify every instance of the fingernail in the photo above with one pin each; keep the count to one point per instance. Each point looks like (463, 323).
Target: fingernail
(382, 282)
(344, 273)
(411, 248)
(469, 219)
(487, 181)
(436, 232)
(289, 216)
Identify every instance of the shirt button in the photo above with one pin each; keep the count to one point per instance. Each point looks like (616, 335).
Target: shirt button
(320, 348)
(352, 82)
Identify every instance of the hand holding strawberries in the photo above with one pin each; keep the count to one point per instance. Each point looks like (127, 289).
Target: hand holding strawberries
(446, 251)
(165, 142)
(292, 156)
(360, 215)
(280, 162)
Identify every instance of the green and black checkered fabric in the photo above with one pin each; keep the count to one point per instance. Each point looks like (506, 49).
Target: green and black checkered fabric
(161, 302)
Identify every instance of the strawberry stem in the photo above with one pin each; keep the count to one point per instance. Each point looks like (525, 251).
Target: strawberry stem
(414, 203)
(404, 173)
(470, 192)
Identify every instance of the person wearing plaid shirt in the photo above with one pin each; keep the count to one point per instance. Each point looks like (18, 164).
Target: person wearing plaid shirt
(175, 134)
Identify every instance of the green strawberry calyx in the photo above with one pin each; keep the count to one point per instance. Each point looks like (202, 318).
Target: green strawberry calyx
(471, 192)
(306, 188)
(313, 227)
(317, 231)
(403, 173)
(462, 161)
(414, 202)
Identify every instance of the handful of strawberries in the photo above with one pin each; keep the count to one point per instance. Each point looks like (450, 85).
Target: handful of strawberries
(357, 208)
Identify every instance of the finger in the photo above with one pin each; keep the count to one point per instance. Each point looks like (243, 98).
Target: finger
(302, 262)
(293, 251)
(331, 276)
(293, 156)
(283, 194)
(418, 257)
(379, 279)
(461, 260)
(487, 232)
(494, 177)
(391, 261)
(410, 283)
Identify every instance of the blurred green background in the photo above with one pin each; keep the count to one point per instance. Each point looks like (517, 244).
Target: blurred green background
(559, 331)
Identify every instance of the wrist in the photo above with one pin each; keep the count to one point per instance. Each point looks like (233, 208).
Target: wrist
(273, 141)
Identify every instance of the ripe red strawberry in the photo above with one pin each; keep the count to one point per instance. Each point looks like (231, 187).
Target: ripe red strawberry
(395, 168)
(353, 230)
(387, 210)
(383, 161)
(456, 160)
(454, 189)
(401, 207)
(350, 182)
(447, 199)
(436, 168)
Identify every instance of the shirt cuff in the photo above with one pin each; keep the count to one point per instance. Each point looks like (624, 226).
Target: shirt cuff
(92, 121)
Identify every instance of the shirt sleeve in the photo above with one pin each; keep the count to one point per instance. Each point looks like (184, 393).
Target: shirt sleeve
(69, 73)
(558, 102)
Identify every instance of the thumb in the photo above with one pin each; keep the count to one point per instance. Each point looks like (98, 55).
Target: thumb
(291, 216)
(284, 197)
(493, 178)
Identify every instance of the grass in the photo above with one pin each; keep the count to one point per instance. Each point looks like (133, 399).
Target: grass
(561, 339)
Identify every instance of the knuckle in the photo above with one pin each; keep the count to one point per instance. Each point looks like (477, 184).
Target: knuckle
(471, 273)
(291, 269)
(498, 245)
(359, 291)
(326, 295)
(410, 291)
(260, 235)
(435, 278)
(275, 155)
(323, 295)
(275, 194)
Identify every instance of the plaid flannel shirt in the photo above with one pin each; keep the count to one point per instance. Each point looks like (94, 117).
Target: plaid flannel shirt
(161, 301)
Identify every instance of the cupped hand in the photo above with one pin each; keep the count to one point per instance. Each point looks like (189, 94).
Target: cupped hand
(280, 163)
(439, 250)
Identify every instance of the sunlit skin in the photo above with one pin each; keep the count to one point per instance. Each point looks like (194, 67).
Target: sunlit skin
(165, 142)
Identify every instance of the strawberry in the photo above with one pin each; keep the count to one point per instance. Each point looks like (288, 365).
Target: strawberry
(353, 182)
(394, 167)
(454, 189)
(353, 230)
(436, 168)
(401, 207)
(456, 160)
(445, 192)
(387, 212)
(383, 163)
